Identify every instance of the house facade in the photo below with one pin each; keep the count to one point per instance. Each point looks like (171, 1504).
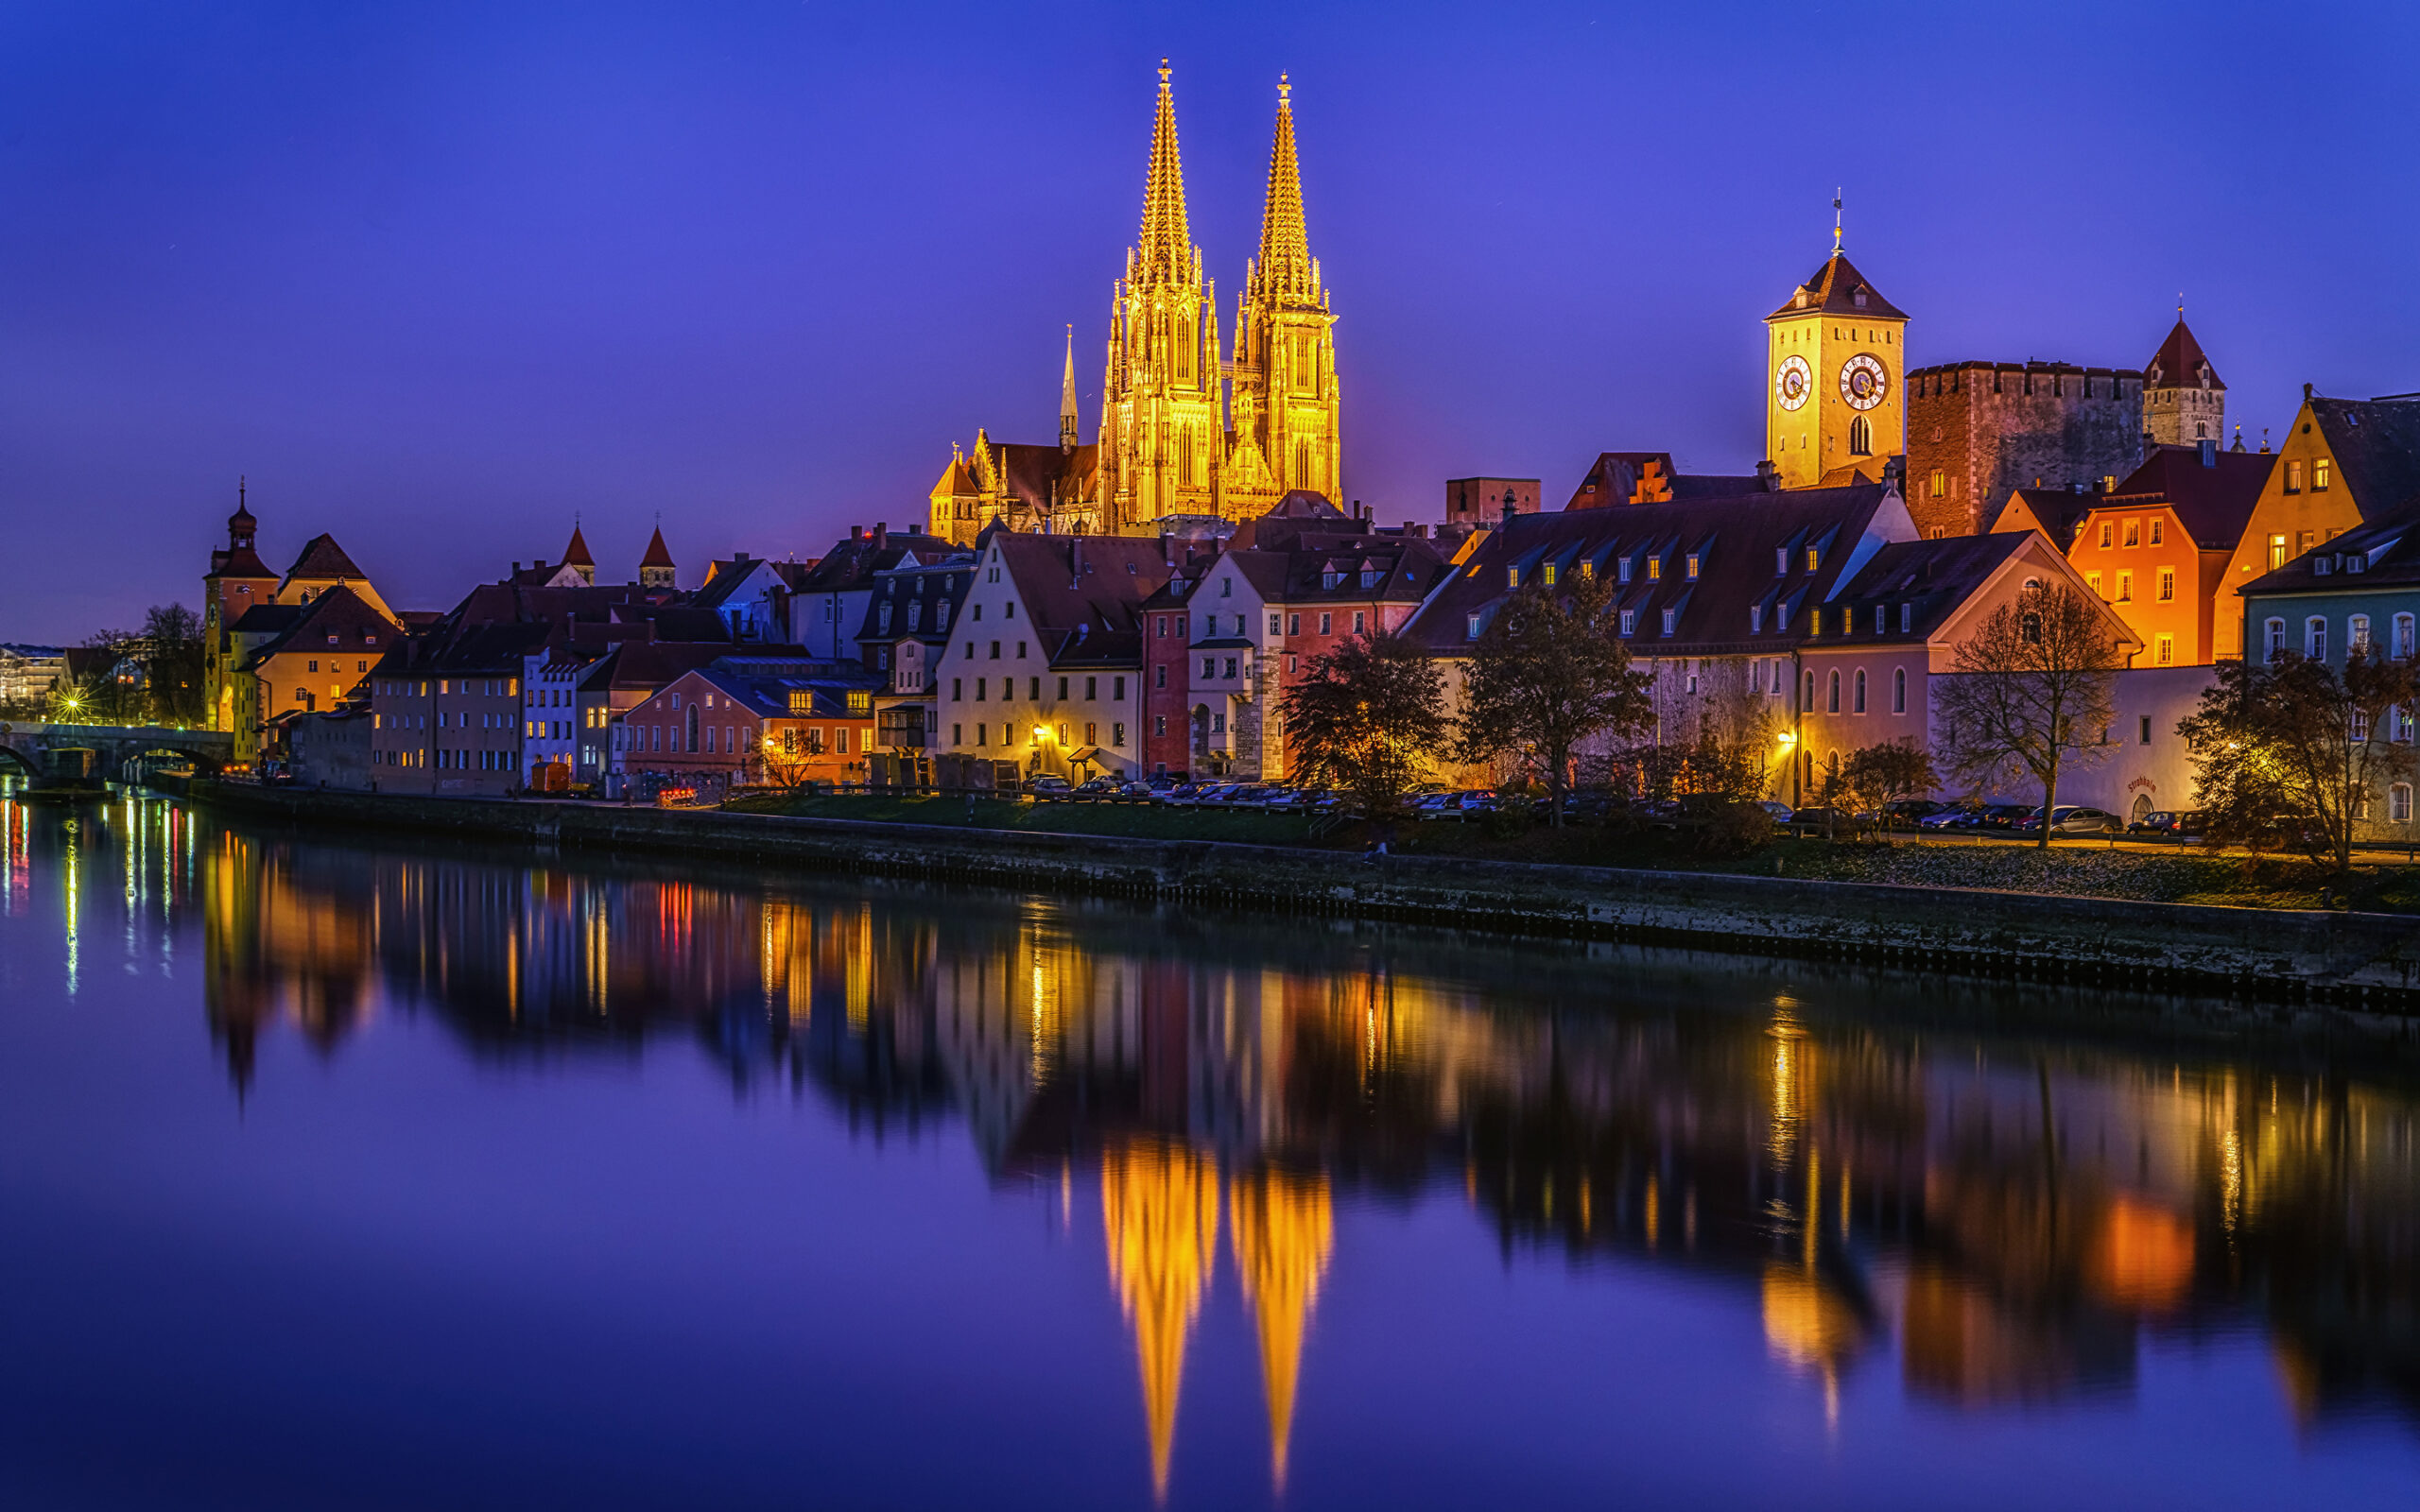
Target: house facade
(748, 719)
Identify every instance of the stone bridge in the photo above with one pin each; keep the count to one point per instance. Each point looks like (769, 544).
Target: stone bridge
(25, 745)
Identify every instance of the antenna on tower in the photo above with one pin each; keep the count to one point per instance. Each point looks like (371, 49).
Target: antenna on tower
(1836, 221)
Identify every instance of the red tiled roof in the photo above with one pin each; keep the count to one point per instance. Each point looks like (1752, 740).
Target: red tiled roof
(1834, 290)
(2180, 362)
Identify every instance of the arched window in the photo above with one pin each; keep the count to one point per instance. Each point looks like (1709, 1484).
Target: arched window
(1860, 438)
(2315, 638)
(2142, 808)
(1899, 690)
(2276, 639)
(2403, 627)
(1860, 689)
(1809, 704)
(1832, 700)
(2031, 628)
(2356, 633)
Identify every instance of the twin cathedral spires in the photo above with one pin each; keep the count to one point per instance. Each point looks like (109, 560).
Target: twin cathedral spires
(1183, 433)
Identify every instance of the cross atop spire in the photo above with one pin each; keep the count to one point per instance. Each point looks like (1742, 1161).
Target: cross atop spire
(1163, 254)
(1836, 222)
(1283, 266)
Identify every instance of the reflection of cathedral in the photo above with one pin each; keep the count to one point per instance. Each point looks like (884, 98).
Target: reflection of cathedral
(1999, 1218)
(1171, 447)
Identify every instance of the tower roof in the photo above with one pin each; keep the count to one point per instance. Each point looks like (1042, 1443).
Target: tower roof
(576, 555)
(322, 557)
(2180, 362)
(1163, 253)
(1284, 261)
(656, 553)
(1839, 288)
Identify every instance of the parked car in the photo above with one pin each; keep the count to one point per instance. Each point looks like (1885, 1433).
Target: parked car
(1046, 787)
(1438, 806)
(1953, 816)
(1243, 795)
(2005, 815)
(2169, 824)
(1097, 788)
(1909, 813)
(1137, 792)
(1778, 811)
(2072, 818)
(1279, 797)
(1184, 795)
(1820, 816)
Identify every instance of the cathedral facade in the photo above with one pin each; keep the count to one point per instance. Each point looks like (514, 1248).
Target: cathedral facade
(1186, 437)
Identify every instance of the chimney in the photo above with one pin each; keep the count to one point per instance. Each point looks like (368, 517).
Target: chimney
(881, 534)
(736, 558)
(1508, 510)
(2209, 452)
(1768, 476)
(856, 532)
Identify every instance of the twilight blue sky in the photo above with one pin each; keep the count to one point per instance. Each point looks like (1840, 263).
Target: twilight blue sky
(437, 276)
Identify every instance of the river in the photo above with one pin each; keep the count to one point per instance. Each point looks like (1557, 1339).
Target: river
(372, 1176)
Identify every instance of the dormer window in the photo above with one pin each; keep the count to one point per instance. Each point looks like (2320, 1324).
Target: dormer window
(1755, 619)
(1781, 562)
(1654, 569)
(1622, 570)
(1907, 618)
(1471, 628)
(1370, 577)
(1693, 565)
(1814, 559)
(2319, 566)
(1512, 577)
(1547, 570)
(1668, 616)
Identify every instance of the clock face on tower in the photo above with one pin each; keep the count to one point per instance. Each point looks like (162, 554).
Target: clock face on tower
(1863, 382)
(1792, 382)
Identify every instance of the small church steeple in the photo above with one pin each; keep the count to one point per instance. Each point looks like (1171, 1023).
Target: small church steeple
(1068, 397)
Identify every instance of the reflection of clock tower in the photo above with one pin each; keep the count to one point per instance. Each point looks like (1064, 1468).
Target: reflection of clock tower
(1832, 371)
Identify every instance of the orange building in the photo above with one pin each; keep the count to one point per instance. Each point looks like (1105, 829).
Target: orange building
(2156, 548)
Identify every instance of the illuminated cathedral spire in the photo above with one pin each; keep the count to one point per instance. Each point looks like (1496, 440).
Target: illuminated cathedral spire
(1285, 1229)
(1283, 265)
(1160, 1211)
(1163, 253)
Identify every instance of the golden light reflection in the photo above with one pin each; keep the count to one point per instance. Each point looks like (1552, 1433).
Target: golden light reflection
(2144, 1257)
(1160, 1213)
(1284, 1231)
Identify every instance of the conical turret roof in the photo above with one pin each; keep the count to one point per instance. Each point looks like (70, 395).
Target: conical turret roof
(656, 553)
(1163, 253)
(2180, 362)
(576, 555)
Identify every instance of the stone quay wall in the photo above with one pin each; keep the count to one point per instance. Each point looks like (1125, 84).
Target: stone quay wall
(2368, 960)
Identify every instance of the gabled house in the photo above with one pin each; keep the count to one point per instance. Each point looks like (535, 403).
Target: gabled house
(1043, 669)
(750, 719)
(301, 657)
(2343, 462)
(2156, 548)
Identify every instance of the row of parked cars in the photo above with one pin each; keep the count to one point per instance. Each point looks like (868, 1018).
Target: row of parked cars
(1927, 816)
(1431, 801)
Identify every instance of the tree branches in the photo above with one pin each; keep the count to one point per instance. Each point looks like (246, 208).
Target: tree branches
(2032, 693)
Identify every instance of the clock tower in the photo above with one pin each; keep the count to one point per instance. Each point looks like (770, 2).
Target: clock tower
(1834, 355)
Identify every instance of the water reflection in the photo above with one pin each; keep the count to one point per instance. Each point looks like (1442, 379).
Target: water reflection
(1996, 1196)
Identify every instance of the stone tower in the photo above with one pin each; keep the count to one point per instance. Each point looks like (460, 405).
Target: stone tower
(1162, 416)
(2184, 402)
(1286, 406)
(238, 581)
(1836, 355)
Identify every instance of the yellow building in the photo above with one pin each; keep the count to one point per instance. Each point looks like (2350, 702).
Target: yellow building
(1165, 448)
(2344, 462)
(1833, 400)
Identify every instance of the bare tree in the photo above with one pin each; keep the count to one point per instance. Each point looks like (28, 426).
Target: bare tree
(1547, 674)
(1874, 777)
(172, 663)
(2032, 693)
(1366, 717)
(2294, 750)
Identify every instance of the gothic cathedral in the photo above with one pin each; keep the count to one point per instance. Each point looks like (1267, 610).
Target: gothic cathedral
(1835, 357)
(1167, 453)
